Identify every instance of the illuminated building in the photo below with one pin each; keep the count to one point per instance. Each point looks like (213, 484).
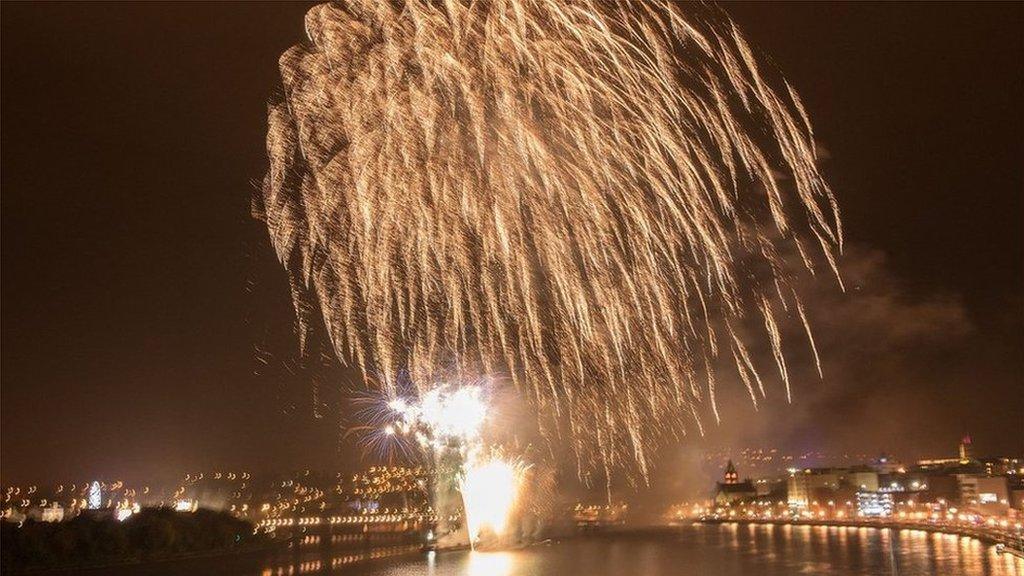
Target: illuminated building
(731, 489)
(986, 494)
(862, 478)
(731, 477)
(774, 488)
(874, 504)
(1002, 466)
(802, 482)
(938, 486)
(596, 515)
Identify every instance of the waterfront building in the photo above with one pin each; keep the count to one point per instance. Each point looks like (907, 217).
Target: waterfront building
(770, 488)
(862, 478)
(874, 504)
(731, 489)
(802, 484)
(987, 494)
(821, 484)
(940, 486)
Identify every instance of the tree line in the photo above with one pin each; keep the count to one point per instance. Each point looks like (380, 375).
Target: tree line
(152, 533)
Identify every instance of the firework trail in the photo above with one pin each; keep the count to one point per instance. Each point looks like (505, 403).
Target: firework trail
(593, 197)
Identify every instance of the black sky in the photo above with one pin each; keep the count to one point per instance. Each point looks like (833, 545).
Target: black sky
(136, 286)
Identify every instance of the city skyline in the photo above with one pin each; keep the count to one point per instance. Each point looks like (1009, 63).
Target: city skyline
(754, 478)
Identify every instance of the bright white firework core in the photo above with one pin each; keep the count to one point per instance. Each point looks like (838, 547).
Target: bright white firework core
(489, 491)
(453, 417)
(447, 413)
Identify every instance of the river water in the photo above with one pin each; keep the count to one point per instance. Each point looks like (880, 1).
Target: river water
(698, 550)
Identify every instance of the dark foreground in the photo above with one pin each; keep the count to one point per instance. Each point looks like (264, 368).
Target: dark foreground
(99, 540)
(720, 550)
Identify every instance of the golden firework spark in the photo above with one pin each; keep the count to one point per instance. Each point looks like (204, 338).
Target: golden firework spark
(591, 196)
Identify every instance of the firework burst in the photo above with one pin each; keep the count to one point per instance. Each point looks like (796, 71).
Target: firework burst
(447, 423)
(591, 197)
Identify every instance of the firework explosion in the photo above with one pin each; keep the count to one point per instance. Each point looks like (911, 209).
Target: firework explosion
(592, 197)
(447, 423)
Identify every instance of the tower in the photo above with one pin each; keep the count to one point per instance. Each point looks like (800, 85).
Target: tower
(731, 477)
(966, 450)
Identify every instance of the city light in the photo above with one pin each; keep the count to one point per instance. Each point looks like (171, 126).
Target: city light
(95, 495)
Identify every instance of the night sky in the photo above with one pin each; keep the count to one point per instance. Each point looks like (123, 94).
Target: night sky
(147, 328)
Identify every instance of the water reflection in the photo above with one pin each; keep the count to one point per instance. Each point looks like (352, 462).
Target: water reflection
(726, 550)
(490, 564)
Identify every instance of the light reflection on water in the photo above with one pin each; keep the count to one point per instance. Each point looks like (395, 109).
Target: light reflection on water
(491, 563)
(727, 550)
(724, 550)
